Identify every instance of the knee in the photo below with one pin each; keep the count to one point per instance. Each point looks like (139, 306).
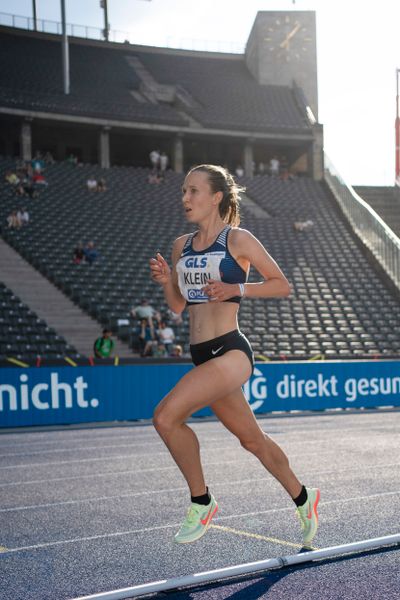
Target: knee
(162, 421)
(255, 446)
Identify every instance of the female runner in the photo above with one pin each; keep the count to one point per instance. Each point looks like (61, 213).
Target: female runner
(209, 274)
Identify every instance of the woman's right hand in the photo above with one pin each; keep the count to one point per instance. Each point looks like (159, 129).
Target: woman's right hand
(160, 271)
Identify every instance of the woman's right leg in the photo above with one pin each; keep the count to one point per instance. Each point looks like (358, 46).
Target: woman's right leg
(200, 387)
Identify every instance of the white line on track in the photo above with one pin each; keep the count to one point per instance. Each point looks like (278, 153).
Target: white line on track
(232, 443)
(154, 437)
(103, 458)
(155, 441)
(179, 489)
(247, 459)
(158, 527)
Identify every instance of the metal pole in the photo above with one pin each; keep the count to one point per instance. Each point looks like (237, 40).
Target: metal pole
(239, 570)
(103, 4)
(65, 49)
(397, 128)
(34, 15)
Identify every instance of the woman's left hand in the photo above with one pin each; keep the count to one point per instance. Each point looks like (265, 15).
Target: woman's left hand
(219, 291)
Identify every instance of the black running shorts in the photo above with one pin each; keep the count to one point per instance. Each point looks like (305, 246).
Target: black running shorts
(234, 340)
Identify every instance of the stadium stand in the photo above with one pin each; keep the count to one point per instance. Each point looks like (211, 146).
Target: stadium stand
(385, 201)
(340, 306)
(24, 336)
(110, 82)
(101, 81)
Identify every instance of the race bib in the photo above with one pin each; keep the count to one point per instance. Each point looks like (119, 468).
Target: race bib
(194, 272)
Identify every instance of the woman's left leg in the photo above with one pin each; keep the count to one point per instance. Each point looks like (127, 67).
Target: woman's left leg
(236, 415)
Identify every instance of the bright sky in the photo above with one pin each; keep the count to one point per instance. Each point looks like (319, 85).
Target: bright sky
(358, 45)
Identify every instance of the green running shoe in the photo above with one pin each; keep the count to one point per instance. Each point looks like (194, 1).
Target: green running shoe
(308, 515)
(197, 522)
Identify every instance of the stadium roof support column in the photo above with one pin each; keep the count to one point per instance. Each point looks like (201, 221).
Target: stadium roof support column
(317, 153)
(65, 49)
(26, 140)
(178, 153)
(248, 158)
(104, 148)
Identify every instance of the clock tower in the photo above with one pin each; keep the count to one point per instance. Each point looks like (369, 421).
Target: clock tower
(282, 48)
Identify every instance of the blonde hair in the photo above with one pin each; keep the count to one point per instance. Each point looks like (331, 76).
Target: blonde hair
(222, 181)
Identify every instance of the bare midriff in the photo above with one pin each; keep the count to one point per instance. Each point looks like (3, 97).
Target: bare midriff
(211, 320)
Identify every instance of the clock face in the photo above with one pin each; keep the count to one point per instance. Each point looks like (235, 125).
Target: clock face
(287, 39)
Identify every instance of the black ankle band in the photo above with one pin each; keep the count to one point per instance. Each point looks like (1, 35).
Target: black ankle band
(301, 498)
(204, 499)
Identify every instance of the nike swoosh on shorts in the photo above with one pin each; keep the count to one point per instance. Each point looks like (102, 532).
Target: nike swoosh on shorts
(216, 351)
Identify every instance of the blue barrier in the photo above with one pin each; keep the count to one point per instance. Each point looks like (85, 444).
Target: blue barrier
(61, 395)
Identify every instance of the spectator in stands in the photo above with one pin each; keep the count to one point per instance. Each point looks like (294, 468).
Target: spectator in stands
(104, 345)
(159, 350)
(303, 225)
(274, 166)
(30, 190)
(144, 311)
(163, 162)
(166, 335)
(48, 158)
(23, 216)
(37, 163)
(13, 221)
(261, 168)
(91, 184)
(146, 337)
(239, 171)
(155, 160)
(154, 178)
(11, 178)
(177, 350)
(90, 253)
(79, 254)
(101, 185)
(72, 160)
(19, 191)
(38, 179)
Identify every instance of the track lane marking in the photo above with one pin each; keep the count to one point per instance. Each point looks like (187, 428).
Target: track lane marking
(181, 489)
(170, 525)
(257, 536)
(206, 464)
(56, 463)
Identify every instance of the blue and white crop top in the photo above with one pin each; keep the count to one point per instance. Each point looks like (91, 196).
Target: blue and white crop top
(196, 268)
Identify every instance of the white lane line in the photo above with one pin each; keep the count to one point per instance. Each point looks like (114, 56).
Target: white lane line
(156, 441)
(158, 527)
(104, 458)
(232, 443)
(154, 437)
(179, 489)
(137, 471)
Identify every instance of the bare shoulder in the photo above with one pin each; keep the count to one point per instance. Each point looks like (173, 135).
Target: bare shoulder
(180, 242)
(239, 236)
(177, 247)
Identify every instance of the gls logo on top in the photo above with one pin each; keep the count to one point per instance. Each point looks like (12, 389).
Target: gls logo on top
(196, 262)
(45, 396)
(256, 389)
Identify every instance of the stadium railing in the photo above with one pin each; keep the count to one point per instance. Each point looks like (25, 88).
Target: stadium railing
(366, 223)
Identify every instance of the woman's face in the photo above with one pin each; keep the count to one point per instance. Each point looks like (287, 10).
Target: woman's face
(198, 199)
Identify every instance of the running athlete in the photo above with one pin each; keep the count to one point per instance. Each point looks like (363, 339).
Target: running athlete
(209, 275)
